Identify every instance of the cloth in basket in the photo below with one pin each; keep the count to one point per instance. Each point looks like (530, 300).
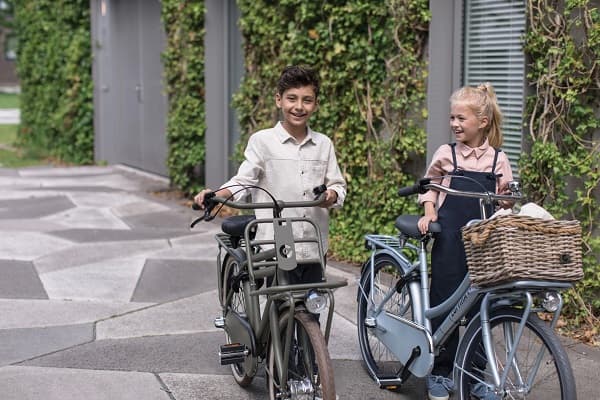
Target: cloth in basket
(518, 247)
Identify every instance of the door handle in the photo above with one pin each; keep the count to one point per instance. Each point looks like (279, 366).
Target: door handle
(138, 90)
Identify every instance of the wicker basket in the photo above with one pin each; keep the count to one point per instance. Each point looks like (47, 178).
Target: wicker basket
(516, 247)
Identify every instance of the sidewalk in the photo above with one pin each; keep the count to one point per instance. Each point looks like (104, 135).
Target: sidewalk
(10, 116)
(105, 293)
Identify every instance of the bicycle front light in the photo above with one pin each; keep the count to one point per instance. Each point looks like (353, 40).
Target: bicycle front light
(315, 302)
(551, 301)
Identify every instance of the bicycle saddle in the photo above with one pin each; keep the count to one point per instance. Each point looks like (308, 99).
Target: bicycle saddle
(236, 224)
(408, 224)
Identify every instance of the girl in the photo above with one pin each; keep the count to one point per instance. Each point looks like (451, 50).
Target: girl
(475, 120)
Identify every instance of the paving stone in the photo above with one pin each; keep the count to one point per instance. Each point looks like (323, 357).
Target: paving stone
(88, 217)
(209, 387)
(190, 315)
(28, 246)
(35, 225)
(111, 280)
(113, 235)
(34, 207)
(20, 281)
(39, 313)
(192, 353)
(53, 172)
(165, 280)
(88, 253)
(178, 219)
(111, 200)
(8, 172)
(28, 383)
(22, 344)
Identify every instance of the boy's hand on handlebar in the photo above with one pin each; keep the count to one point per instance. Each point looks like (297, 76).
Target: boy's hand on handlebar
(330, 198)
(199, 198)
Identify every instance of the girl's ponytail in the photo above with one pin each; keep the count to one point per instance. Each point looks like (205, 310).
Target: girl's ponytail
(491, 109)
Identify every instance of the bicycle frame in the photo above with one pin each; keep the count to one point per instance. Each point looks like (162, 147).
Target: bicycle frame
(282, 297)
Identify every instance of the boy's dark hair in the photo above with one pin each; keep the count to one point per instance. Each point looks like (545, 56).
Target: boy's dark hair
(294, 76)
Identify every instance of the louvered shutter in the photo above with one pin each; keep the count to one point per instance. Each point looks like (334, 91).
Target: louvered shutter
(493, 52)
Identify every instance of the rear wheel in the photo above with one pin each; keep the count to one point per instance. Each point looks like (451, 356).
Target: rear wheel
(541, 368)
(310, 373)
(377, 359)
(236, 303)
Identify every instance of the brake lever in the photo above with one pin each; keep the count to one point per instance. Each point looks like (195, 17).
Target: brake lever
(319, 190)
(208, 207)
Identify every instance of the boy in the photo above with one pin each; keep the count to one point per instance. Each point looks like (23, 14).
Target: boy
(289, 160)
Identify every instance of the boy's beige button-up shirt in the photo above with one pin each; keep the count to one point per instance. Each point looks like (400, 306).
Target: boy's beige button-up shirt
(289, 170)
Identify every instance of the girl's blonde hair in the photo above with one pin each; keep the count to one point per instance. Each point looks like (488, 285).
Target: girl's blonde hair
(483, 102)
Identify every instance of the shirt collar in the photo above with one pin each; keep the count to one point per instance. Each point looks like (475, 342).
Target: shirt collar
(284, 136)
(467, 151)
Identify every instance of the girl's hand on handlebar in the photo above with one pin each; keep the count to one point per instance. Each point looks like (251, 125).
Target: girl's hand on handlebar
(505, 203)
(430, 216)
(330, 198)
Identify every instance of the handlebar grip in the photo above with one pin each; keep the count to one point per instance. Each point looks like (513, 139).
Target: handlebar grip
(418, 187)
(195, 207)
(409, 190)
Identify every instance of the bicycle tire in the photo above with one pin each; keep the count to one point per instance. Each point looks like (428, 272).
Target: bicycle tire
(554, 379)
(310, 347)
(236, 303)
(378, 361)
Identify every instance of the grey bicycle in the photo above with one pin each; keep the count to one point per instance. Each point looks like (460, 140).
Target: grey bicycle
(506, 351)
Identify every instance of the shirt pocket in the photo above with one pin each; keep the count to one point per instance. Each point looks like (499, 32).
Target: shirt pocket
(316, 171)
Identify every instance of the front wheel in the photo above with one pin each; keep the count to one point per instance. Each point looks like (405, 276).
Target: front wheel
(377, 359)
(310, 373)
(540, 370)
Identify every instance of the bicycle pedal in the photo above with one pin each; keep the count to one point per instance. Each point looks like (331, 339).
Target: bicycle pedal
(391, 383)
(233, 353)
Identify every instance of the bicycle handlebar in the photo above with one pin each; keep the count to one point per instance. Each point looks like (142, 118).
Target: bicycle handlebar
(425, 184)
(210, 201)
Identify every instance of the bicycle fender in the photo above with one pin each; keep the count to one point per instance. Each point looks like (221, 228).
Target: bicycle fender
(402, 262)
(405, 266)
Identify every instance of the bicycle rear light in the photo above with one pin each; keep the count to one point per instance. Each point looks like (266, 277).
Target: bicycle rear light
(315, 302)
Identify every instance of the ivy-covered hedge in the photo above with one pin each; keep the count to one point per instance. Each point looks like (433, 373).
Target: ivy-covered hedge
(370, 57)
(184, 80)
(561, 169)
(55, 71)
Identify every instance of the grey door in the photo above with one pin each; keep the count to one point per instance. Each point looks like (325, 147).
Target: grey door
(130, 105)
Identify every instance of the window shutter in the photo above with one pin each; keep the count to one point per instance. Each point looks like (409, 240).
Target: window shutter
(493, 52)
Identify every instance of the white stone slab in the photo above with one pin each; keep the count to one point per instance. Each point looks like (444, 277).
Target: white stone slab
(88, 217)
(65, 171)
(35, 383)
(27, 246)
(102, 199)
(343, 341)
(211, 387)
(139, 207)
(111, 280)
(88, 253)
(40, 313)
(189, 315)
(36, 225)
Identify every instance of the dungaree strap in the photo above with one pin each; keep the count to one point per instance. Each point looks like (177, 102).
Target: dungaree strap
(493, 174)
(453, 147)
